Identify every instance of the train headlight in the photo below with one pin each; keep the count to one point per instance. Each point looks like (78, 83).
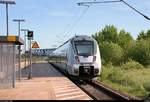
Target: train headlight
(94, 58)
(76, 71)
(77, 58)
(96, 71)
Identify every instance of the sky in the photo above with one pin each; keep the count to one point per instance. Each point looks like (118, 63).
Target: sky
(51, 20)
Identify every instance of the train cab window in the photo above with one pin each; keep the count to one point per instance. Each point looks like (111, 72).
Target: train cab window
(84, 48)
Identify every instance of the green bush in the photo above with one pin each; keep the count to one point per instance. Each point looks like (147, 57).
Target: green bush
(128, 82)
(132, 65)
(111, 52)
(138, 90)
(105, 72)
(140, 52)
(112, 74)
(146, 85)
(103, 62)
(116, 76)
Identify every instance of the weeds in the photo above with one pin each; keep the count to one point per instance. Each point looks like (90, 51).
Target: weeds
(122, 77)
(132, 65)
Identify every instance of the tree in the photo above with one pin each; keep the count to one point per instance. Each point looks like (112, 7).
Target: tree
(141, 35)
(111, 52)
(108, 34)
(125, 42)
(121, 41)
(140, 52)
(98, 37)
(125, 39)
(148, 34)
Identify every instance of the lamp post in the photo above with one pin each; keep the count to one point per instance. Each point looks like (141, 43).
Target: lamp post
(25, 35)
(19, 21)
(7, 2)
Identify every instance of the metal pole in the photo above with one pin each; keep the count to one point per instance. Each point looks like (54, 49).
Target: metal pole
(7, 30)
(31, 58)
(25, 47)
(1, 61)
(19, 29)
(30, 70)
(19, 52)
(19, 63)
(7, 27)
(14, 70)
(19, 21)
(28, 52)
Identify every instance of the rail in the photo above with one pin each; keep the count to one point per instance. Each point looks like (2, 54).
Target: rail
(99, 91)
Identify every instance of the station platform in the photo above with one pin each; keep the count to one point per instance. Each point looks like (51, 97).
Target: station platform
(47, 84)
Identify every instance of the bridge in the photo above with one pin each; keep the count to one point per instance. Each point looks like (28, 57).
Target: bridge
(42, 52)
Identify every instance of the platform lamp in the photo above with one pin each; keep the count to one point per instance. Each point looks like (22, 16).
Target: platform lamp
(25, 37)
(19, 22)
(7, 2)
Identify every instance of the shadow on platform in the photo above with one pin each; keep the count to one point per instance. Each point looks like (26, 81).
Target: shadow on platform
(41, 70)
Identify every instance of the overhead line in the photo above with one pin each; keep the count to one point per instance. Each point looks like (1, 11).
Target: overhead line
(82, 3)
(77, 21)
(66, 33)
(135, 10)
(72, 26)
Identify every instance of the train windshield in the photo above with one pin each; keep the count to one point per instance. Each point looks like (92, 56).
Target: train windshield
(85, 48)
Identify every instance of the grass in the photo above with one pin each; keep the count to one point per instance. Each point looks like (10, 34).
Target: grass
(140, 76)
(135, 82)
(35, 58)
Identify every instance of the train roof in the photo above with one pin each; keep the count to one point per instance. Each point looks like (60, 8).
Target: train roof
(78, 38)
(81, 38)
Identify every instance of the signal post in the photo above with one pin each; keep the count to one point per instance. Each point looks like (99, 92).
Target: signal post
(35, 46)
(30, 38)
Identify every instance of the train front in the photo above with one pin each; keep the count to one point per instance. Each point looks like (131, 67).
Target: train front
(87, 58)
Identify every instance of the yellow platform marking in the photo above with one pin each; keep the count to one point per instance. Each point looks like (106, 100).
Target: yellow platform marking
(11, 38)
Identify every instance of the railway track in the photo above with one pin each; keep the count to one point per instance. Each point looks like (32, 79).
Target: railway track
(99, 91)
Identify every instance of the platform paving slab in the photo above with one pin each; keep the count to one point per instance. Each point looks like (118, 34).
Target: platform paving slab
(47, 84)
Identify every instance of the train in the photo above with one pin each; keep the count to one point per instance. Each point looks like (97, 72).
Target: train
(79, 57)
